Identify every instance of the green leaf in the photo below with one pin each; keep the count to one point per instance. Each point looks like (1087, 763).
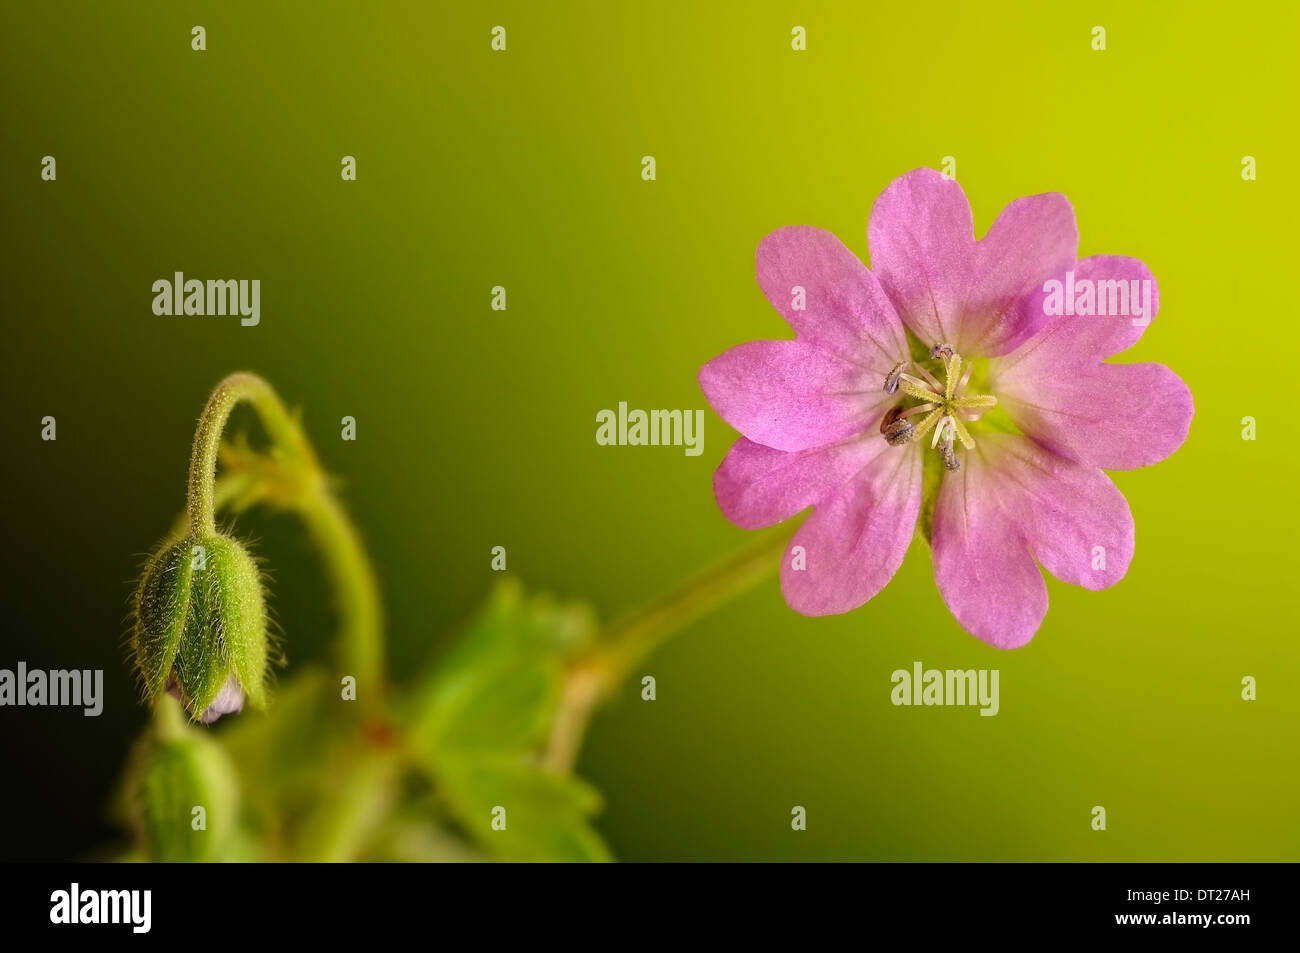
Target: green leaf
(498, 689)
(409, 838)
(519, 812)
(481, 722)
(280, 750)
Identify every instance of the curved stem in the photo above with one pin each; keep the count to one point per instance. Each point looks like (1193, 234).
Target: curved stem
(629, 640)
(227, 489)
(361, 653)
(283, 430)
(356, 592)
(634, 636)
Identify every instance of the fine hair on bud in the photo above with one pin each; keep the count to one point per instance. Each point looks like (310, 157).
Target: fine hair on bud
(199, 626)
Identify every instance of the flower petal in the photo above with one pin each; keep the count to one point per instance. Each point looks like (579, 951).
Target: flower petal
(982, 564)
(757, 486)
(1084, 340)
(855, 539)
(792, 395)
(229, 701)
(1034, 238)
(922, 241)
(844, 309)
(1113, 416)
(1014, 502)
(1076, 521)
(1056, 388)
(950, 289)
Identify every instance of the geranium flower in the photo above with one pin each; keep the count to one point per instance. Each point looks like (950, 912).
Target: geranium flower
(945, 389)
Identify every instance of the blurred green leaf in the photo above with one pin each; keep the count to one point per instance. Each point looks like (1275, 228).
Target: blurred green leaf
(411, 838)
(544, 814)
(281, 749)
(483, 717)
(498, 689)
(287, 755)
(348, 811)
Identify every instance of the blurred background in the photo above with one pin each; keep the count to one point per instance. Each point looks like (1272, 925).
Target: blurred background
(475, 428)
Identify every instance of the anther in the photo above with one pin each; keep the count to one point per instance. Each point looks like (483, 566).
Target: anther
(892, 378)
(947, 407)
(950, 460)
(897, 431)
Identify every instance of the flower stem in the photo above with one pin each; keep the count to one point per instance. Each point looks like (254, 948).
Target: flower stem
(356, 592)
(629, 640)
(169, 719)
(299, 484)
(285, 434)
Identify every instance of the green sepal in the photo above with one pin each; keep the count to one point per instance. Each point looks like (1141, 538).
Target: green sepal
(161, 607)
(173, 774)
(243, 614)
(202, 665)
(201, 617)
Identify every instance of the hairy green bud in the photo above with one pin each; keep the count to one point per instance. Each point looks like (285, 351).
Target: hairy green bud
(200, 628)
(184, 793)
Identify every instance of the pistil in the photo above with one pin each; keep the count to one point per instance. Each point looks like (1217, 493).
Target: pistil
(946, 405)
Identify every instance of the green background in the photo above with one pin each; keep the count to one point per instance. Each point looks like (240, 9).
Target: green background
(476, 428)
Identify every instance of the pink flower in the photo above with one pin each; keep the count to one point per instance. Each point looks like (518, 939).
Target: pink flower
(985, 414)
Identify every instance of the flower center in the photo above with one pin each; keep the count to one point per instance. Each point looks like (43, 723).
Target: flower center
(947, 406)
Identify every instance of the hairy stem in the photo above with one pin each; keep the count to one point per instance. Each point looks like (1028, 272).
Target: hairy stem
(285, 434)
(293, 478)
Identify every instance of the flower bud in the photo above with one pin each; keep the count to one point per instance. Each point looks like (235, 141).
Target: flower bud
(174, 775)
(200, 626)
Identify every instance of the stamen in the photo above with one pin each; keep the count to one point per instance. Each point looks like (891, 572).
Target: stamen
(891, 379)
(917, 382)
(980, 402)
(899, 433)
(927, 422)
(934, 381)
(961, 433)
(896, 430)
(945, 411)
(943, 431)
(917, 389)
(965, 377)
(918, 409)
(950, 460)
(950, 376)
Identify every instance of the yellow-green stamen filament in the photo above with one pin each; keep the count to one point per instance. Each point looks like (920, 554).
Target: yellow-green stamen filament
(947, 406)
